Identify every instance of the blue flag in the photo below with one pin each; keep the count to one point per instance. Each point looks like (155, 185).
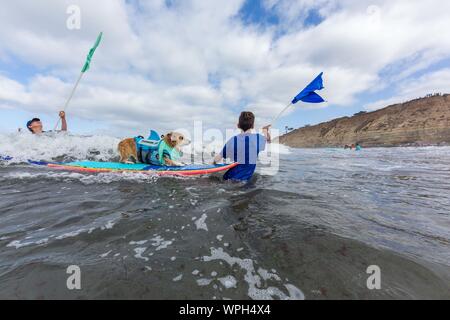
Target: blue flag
(308, 94)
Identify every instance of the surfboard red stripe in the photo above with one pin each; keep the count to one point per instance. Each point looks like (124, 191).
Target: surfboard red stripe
(162, 173)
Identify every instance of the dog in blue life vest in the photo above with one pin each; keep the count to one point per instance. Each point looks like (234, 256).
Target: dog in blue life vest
(165, 152)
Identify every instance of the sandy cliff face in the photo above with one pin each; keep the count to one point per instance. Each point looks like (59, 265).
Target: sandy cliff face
(423, 121)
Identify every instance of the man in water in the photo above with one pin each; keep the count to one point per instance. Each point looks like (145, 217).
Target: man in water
(35, 124)
(244, 148)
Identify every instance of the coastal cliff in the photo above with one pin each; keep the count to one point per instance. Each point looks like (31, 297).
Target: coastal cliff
(424, 121)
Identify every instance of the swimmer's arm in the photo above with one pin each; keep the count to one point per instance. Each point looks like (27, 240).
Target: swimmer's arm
(218, 158)
(222, 155)
(62, 115)
(266, 133)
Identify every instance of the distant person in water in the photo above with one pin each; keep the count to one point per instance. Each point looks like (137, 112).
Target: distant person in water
(358, 147)
(35, 124)
(244, 148)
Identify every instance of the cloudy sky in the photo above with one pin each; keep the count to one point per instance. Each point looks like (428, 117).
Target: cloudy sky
(164, 64)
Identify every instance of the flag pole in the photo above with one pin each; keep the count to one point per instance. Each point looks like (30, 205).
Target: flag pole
(279, 115)
(85, 68)
(70, 98)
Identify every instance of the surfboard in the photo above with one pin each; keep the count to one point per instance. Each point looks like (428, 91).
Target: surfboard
(188, 170)
(96, 167)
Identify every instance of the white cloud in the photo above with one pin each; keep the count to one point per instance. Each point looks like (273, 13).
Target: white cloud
(435, 82)
(293, 13)
(11, 90)
(165, 66)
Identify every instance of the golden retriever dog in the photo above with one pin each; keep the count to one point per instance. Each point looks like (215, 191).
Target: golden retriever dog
(169, 147)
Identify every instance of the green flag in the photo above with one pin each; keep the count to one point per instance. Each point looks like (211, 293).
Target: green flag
(91, 53)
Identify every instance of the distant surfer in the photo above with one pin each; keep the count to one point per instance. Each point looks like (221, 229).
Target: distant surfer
(35, 124)
(244, 148)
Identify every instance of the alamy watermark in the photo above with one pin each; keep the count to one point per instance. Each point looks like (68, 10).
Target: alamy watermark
(73, 22)
(374, 280)
(74, 280)
(374, 14)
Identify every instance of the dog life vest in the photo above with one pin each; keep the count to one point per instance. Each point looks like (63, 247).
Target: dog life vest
(153, 150)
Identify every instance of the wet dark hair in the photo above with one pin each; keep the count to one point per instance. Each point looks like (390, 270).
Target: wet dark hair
(246, 120)
(29, 123)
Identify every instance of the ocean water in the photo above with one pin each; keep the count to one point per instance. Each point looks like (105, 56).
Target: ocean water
(308, 232)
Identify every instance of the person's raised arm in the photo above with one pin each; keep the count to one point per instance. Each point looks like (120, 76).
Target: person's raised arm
(218, 158)
(266, 133)
(62, 115)
(221, 155)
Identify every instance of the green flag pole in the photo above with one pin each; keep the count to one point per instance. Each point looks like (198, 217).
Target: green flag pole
(83, 70)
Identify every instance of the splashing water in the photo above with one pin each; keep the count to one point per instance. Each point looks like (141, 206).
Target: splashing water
(58, 147)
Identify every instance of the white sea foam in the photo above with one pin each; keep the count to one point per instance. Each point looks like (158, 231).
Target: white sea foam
(18, 244)
(178, 278)
(266, 275)
(104, 255)
(108, 225)
(70, 234)
(110, 177)
(160, 243)
(254, 279)
(200, 223)
(204, 282)
(139, 251)
(84, 178)
(228, 282)
(40, 238)
(139, 243)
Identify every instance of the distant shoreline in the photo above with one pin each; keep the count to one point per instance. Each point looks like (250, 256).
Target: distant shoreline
(418, 123)
(381, 146)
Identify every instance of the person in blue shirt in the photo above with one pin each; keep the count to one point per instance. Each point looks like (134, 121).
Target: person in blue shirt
(244, 149)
